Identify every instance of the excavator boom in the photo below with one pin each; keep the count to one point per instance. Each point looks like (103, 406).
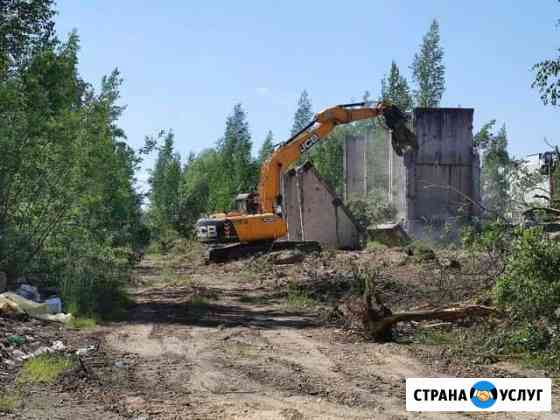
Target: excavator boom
(322, 124)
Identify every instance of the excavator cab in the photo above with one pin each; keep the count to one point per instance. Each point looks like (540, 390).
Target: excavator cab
(247, 203)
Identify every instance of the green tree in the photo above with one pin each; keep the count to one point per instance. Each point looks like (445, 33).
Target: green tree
(428, 70)
(304, 113)
(496, 168)
(24, 27)
(547, 80)
(201, 178)
(267, 148)
(239, 170)
(68, 206)
(394, 88)
(164, 181)
(327, 158)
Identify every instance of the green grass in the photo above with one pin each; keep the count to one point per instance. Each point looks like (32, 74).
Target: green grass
(299, 299)
(80, 323)
(434, 337)
(44, 369)
(376, 246)
(8, 402)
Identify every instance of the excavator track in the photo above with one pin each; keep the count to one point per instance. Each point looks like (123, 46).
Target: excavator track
(227, 252)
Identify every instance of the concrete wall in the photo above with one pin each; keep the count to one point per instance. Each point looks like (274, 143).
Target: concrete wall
(442, 173)
(314, 213)
(436, 185)
(355, 167)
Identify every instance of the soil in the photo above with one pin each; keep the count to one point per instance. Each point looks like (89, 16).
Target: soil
(221, 342)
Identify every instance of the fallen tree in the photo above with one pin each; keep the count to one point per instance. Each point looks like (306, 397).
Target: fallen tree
(378, 320)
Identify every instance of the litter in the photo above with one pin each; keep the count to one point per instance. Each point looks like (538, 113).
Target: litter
(58, 346)
(54, 305)
(33, 309)
(85, 350)
(15, 340)
(29, 292)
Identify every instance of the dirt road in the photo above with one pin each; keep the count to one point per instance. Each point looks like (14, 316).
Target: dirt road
(224, 346)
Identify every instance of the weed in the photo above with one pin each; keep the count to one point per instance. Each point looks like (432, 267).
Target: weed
(430, 337)
(299, 298)
(376, 246)
(421, 251)
(45, 369)
(8, 402)
(80, 323)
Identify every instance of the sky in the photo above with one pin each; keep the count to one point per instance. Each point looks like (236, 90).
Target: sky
(186, 64)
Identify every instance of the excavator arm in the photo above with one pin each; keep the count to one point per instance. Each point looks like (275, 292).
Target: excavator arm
(322, 124)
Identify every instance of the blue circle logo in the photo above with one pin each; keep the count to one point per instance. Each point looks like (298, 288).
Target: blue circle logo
(483, 394)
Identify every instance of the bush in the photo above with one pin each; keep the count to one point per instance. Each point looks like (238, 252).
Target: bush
(373, 210)
(493, 238)
(164, 240)
(92, 277)
(95, 288)
(530, 285)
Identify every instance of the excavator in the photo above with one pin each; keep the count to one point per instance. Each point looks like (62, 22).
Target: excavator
(258, 221)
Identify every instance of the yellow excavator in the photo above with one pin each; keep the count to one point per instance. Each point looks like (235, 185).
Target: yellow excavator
(259, 220)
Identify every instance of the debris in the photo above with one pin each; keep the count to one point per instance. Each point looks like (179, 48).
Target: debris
(41, 350)
(24, 304)
(29, 292)
(62, 318)
(390, 234)
(33, 309)
(19, 355)
(85, 350)
(54, 305)
(15, 340)
(450, 264)
(378, 320)
(7, 306)
(58, 346)
(119, 364)
(287, 257)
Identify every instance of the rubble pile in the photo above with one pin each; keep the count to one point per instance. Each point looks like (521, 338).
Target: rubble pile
(22, 338)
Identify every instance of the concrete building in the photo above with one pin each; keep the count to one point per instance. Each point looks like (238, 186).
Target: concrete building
(315, 213)
(432, 188)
